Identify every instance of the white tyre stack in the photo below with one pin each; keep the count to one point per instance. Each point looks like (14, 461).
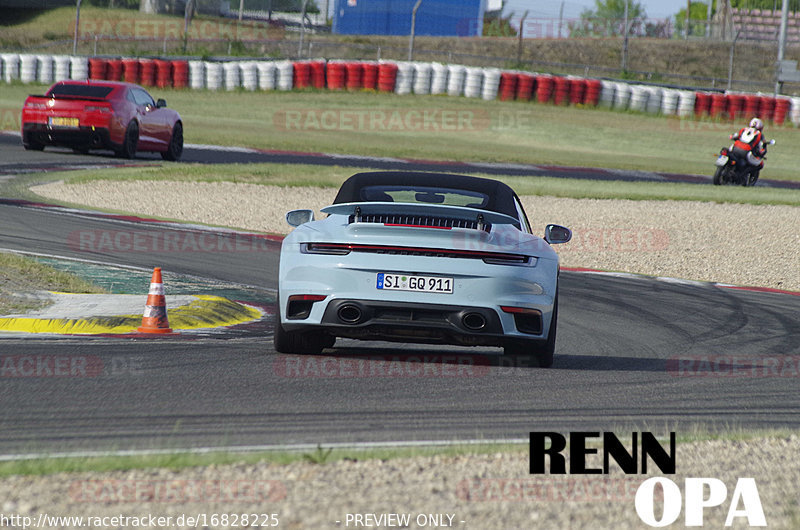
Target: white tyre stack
(473, 82)
(438, 78)
(232, 77)
(10, 66)
(45, 69)
(794, 111)
(405, 78)
(607, 93)
(61, 71)
(213, 75)
(27, 68)
(78, 68)
(422, 78)
(654, 100)
(639, 96)
(491, 83)
(266, 75)
(686, 100)
(249, 75)
(197, 75)
(622, 96)
(455, 79)
(285, 75)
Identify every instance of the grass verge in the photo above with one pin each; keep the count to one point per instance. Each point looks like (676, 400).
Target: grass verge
(332, 177)
(22, 274)
(449, 128)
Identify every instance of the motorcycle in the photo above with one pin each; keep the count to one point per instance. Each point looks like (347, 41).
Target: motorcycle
(735, 169)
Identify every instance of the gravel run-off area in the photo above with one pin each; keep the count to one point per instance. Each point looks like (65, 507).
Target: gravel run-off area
(729, 243)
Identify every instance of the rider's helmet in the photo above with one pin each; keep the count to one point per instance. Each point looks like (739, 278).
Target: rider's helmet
(757, 124)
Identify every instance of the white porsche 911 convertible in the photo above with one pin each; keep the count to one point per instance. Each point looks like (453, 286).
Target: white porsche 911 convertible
(420, 258)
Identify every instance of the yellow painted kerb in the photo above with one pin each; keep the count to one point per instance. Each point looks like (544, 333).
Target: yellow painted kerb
(204, 312)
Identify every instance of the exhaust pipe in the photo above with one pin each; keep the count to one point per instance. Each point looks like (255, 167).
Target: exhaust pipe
(349, 314)
(474, 321)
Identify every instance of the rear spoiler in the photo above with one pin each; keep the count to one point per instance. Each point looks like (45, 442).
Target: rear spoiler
(60, 96)
(358, 209)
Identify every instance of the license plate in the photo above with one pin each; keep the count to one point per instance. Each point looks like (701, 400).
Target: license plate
(61, 121)
(409, 282)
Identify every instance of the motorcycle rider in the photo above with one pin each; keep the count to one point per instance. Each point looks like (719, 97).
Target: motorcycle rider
(749, 144)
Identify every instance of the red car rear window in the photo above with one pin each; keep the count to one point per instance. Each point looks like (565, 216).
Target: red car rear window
(90, 91)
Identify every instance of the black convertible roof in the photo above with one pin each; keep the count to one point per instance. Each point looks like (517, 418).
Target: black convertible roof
(501, 196)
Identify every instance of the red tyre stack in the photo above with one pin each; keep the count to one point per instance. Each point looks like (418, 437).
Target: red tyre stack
(114, 70)
(782, 106)
(335, 75)
(387, 77)
(163, 73)
(180, 74)
(718, 104)
(593, 88)
(766, 108)
(560, 90)
(751, 104)
(735, 105)
(370, 75)
(97, 68)
(525, 84)
(508, 86)
(130, 68)
(544, 88)
(702, 104)
(317, 73)
(577, 91)
(147, 72)
(302, 74)
(355, 74)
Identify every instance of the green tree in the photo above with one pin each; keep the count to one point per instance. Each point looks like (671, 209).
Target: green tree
(698, 13)
(794, 5)
(607, 18)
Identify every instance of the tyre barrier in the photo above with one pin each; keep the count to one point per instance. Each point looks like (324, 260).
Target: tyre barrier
(455, 79)
(525, 85)
(147, 72)
(508, 86)
(544, 88)
(422, 78)
(213, 75)
(267, 75)
(336, 75)
(114, 70)
(354, 76)
(317, 69)
(473, 82)
(387, 77)
(45, 73)
(27, 68)
(249, 75)
(402, 78)
(439, 78)
(491, 83)
(302, 74)
(405, 78)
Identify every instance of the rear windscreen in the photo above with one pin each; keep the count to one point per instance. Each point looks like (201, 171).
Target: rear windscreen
(90, 91)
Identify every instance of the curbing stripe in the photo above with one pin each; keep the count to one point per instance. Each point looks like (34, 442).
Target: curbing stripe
(205, 312)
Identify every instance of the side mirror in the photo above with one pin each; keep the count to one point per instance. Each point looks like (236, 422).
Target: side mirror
(161, 103)
(297, 217)
(555, 234)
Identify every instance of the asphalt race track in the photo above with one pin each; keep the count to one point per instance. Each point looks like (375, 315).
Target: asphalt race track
(632, 353)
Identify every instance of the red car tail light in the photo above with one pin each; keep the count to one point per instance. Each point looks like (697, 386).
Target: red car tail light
(97, 108)
(35, 106)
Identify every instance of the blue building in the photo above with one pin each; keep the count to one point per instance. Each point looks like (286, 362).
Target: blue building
(441, 18)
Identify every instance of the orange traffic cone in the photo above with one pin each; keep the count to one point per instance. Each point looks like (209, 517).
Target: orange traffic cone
(154, 319)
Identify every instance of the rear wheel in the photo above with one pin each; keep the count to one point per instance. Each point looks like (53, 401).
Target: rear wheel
(718, 175)
(300, 342)
(32, 145)
(130, 142)
(540, 353)
(175, 149)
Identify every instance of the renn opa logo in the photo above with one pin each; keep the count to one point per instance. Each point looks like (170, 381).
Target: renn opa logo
(745, 502)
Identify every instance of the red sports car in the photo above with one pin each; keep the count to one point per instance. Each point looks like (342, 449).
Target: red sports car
(91, 114)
